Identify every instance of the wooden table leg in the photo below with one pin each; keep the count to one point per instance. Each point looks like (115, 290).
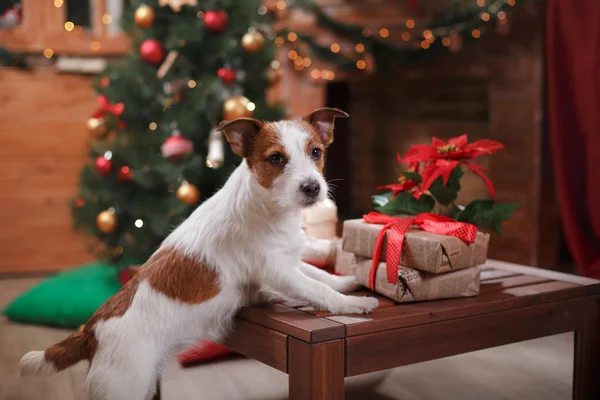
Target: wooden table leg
(586, 376)
(316, 371)
(157, 394)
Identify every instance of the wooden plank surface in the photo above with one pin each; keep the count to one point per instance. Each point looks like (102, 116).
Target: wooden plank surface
(492, 285)
(586, 378)
(260, 343)
(434, 311)
(316, 370)
(490, 273)
(545, 273)
(392, 348)
(296, 323)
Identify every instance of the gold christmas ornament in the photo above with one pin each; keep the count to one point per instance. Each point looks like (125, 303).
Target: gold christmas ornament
(106, 221)
(274, 75)
(253, 41)
(176, 4)
(144, 16)
(188, 194)
(97, 127)
(237, 107)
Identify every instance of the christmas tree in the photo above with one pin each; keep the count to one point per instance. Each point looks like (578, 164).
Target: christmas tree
(155, 153)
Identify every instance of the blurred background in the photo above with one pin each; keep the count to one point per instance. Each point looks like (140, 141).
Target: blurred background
(108, 111)
(482, 74)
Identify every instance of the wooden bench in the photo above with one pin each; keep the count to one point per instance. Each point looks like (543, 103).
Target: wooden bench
(516, 303)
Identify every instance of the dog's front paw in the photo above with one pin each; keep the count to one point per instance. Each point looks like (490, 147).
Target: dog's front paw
(356, 305)
(345, 284)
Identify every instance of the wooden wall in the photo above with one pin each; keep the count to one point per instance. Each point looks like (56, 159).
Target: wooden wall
(42, 149)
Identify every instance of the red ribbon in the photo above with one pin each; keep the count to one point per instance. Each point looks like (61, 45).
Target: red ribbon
(398, 226)
(105, 107)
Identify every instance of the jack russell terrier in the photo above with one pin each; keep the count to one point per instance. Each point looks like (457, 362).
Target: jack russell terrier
(243, 242)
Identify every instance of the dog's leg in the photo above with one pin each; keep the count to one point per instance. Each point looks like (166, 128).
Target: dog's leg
(266, 295)
(342, 284)
(124, 370)
(294, 282)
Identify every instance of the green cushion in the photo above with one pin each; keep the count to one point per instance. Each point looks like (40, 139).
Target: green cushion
(69, 298)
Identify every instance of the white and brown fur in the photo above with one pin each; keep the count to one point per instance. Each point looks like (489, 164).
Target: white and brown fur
(242, 243)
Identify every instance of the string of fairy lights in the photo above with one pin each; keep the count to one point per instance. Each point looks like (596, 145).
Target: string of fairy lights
(69, 26)
(414, 36)
(410, 32)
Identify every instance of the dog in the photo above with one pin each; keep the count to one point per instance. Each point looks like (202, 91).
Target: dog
(240, 246)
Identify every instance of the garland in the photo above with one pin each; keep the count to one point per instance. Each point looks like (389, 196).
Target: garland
(466, 22)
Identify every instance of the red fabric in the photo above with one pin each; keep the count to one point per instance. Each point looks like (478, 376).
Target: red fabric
(573, 51)
(397, 229)
(204, 351)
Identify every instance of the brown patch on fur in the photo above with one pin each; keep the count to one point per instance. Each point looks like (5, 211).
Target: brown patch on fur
(169, 272)
(79, 346)
(265, 144)
(315, 140)
(117, 304)
(181, 277)
(322, 121)
(82, 345)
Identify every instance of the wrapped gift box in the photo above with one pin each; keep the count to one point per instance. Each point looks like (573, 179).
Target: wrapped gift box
(425, 251)
(413, 285)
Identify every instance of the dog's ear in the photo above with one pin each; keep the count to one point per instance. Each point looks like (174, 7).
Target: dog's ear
(322, 121)
(240, 133)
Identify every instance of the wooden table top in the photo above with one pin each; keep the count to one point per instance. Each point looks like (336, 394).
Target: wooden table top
(504, 286)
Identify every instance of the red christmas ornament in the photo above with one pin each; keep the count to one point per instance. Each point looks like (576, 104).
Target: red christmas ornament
(124, 174)
(176, 146)
(216, 20)
(79, 202)
(152, 51)
(227, 75)
(105, 81)
(103, 166)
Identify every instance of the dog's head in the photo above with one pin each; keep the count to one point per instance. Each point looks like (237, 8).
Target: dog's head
(286, 157)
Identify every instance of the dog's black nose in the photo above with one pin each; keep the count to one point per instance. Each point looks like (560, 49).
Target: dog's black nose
(310, 188)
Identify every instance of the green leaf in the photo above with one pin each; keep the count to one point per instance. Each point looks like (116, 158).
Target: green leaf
(412, 176)
(381, 199)
(446, 194)
(485, 213)
(406, 204)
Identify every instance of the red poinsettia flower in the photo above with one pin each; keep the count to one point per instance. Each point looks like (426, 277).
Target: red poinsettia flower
(441, 158)
(403, 184)
(398, 188)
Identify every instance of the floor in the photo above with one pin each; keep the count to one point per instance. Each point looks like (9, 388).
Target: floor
(538, 369)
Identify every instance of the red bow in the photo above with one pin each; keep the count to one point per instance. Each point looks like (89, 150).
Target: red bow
(399, 226)
(105, 107)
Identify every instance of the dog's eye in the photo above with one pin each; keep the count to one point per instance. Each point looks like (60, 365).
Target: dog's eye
(277, 159)
(316, 153)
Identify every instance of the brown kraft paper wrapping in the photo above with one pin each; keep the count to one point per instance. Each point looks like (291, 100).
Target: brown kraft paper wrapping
(343, 261)
(425, 251)
(414, 285)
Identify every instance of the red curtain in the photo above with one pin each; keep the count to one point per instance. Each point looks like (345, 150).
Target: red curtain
(573, 81)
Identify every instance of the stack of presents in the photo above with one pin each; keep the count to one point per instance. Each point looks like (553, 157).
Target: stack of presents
(412, 264)
(406, 259)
